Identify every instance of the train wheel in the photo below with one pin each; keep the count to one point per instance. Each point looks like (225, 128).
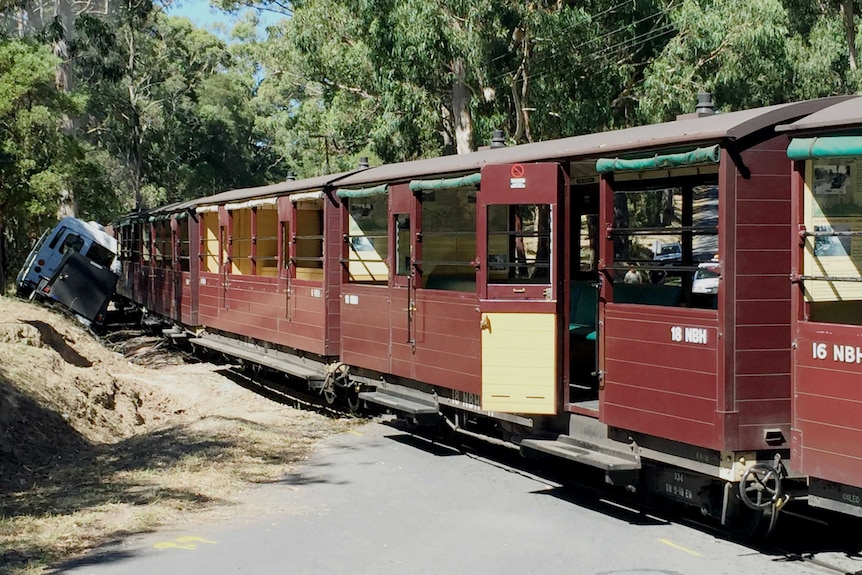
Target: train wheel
(353, 401)
(745, 523)
(328, 393)
(338, 384)
(760, 487)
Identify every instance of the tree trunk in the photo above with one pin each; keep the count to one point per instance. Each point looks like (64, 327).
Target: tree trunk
(3, 259)
(461, 109)
(68, 203)
(850, 31)
(446, 130)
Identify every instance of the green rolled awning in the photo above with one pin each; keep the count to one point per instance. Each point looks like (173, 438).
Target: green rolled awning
(696, 157)
(160, 218)
(181, 215)
(380, 190)
(446, 184)
(826, 147)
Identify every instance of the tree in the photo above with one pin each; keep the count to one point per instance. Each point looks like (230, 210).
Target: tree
(735, 49)
(169, 107)
(37, 159)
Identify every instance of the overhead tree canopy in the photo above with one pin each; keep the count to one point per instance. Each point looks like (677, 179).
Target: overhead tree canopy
(132, 107)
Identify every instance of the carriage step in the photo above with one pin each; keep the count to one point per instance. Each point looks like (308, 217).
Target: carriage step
(281, 363)
(566, 447)
(424, 411)
(175, 333)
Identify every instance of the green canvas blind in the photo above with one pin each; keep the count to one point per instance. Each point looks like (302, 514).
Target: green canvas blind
(826, 147)
(698, 156)
(445, 184)
(380, 190)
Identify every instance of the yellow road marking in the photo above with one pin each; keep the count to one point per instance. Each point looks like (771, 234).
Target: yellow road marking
(354, 432)
(670, 543)
(188, 538)
(187, 542)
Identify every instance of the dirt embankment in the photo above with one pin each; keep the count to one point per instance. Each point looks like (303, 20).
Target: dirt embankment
(103, 439)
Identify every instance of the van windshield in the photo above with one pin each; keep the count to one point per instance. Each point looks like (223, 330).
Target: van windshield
(100, 254)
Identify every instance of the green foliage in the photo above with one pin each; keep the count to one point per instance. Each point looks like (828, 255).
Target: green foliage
(171, 108)
(37, 159)
(735, 49)
(166, 111)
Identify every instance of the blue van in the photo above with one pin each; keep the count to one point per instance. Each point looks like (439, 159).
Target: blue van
(71, 234)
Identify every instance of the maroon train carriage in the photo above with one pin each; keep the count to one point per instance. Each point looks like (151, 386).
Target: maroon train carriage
(691, 382)
(827, 312)
(158, 259)
(266, 276)
(624, 293)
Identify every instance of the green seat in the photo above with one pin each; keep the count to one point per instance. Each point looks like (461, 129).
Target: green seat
(584, 300)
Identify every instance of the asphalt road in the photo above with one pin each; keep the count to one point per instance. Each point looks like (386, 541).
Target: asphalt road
(380, 501)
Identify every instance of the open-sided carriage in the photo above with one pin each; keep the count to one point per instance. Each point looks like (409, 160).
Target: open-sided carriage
(826, 149)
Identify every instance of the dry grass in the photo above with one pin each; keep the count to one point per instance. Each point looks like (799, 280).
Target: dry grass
(95, 448)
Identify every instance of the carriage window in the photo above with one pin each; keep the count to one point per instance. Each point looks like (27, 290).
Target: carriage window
(368, 240)
(123, 242)
(309, 240)
(266, 241)
(449, 239)
(164, 249)
(832, 261)
(285, 244)
(210, 242)
(587, 238)
(136, 240)
(146, 238)
(519, 243)
(403, 246)
(665, 239)
(240, 241)
(183, 243)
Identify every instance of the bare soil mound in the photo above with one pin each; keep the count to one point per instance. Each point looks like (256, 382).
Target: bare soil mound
(105, 437)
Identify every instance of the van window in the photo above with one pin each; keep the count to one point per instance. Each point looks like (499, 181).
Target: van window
(72, 242)
(57, 237)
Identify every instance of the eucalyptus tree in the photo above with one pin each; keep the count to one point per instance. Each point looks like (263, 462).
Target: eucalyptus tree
(410, 78)
(736, 49)
(38, 160)
(169, 107)
(823, 47)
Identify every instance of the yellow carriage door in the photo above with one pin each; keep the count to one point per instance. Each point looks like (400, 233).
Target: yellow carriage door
(520, 276)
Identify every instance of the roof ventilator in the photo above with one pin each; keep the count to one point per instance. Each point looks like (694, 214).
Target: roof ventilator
(704, 107)
(498, 140)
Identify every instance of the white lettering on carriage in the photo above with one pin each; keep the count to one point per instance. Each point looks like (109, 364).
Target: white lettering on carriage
(840, 352)
(846, 353)
(695, 335)
(689, 334)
